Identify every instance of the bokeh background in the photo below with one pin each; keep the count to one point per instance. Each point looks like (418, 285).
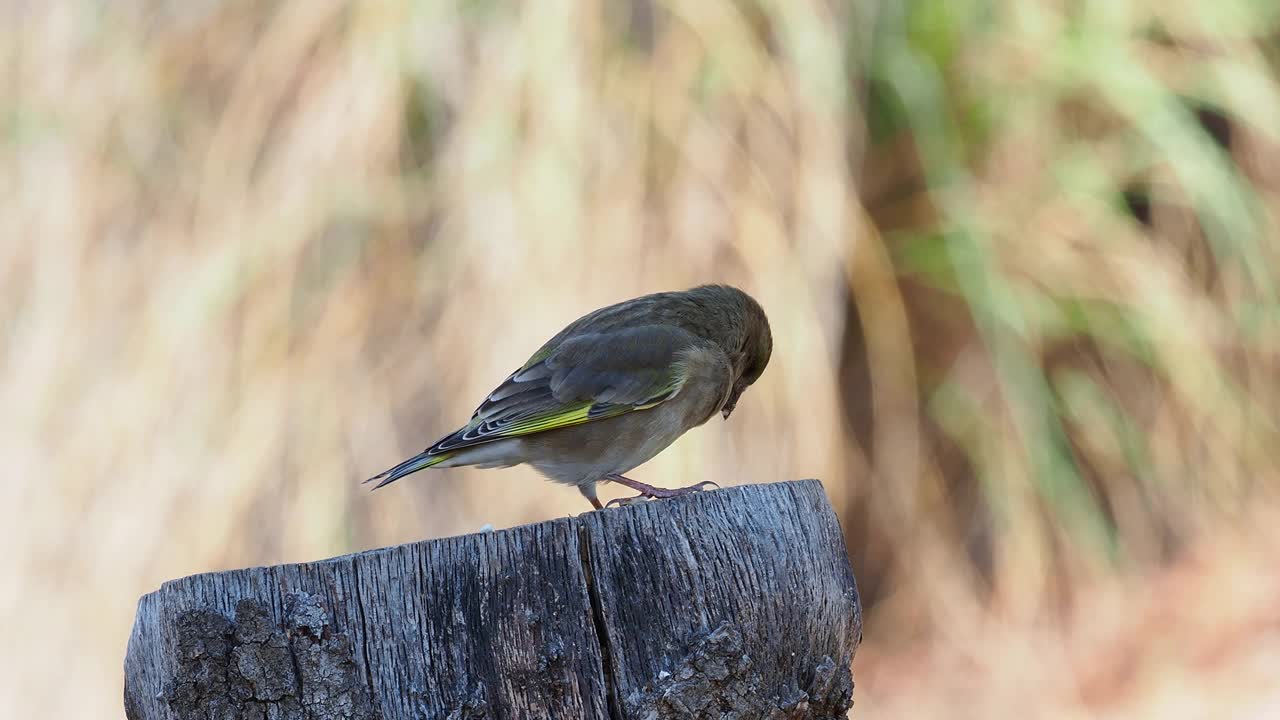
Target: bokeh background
(1020, 257)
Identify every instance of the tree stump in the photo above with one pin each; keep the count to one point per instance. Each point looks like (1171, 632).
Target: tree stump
(735, 603)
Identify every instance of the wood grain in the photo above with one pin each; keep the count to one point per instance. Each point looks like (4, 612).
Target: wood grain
(735, 603)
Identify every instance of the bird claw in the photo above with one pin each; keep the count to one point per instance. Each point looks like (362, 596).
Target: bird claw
(656, 493)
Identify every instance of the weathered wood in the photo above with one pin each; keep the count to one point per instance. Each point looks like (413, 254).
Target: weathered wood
(736, 603)
(763, 578)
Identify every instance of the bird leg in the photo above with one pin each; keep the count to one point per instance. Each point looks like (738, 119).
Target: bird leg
(589, 492)
(649, 491)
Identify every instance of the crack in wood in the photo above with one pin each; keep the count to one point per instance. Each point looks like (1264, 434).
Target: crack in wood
(364, 626)
(601, 628)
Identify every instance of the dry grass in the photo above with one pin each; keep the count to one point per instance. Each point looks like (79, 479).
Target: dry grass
(1200, 639)
(255, 252)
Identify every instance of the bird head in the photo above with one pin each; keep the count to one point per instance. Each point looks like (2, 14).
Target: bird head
(754, 347)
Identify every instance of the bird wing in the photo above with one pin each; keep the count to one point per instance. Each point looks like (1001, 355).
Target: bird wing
(587, 377)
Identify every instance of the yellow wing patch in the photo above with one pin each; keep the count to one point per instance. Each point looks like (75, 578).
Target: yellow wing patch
(573, 416)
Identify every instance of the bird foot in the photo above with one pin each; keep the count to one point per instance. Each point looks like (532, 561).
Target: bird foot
(649, 492)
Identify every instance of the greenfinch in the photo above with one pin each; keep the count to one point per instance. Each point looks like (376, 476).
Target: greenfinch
(613, 389)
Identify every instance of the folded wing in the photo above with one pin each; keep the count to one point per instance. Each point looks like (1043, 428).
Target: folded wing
(587, 377)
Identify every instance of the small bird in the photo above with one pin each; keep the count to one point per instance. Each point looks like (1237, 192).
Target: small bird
(614, 389)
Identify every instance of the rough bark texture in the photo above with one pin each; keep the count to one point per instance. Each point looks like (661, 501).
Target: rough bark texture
(736, 603)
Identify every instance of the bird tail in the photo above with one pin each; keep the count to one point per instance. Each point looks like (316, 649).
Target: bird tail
(408, 467)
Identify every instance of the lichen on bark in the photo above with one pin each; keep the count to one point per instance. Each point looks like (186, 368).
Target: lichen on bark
(717, 680)
(252, 668)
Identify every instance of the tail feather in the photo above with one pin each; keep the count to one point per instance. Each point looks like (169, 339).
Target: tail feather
(408, 467)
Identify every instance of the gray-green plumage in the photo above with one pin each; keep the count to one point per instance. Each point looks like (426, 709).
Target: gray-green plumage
(613, 389)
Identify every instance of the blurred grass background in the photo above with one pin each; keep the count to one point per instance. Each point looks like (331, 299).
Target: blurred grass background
(1020, 260)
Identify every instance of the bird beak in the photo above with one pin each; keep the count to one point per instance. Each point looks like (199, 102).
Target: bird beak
(731, 402)
(727, 410)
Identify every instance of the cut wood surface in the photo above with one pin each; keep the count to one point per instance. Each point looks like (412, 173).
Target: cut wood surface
(735, 603)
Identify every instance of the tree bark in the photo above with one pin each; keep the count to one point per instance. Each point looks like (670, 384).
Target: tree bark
(735, 603)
